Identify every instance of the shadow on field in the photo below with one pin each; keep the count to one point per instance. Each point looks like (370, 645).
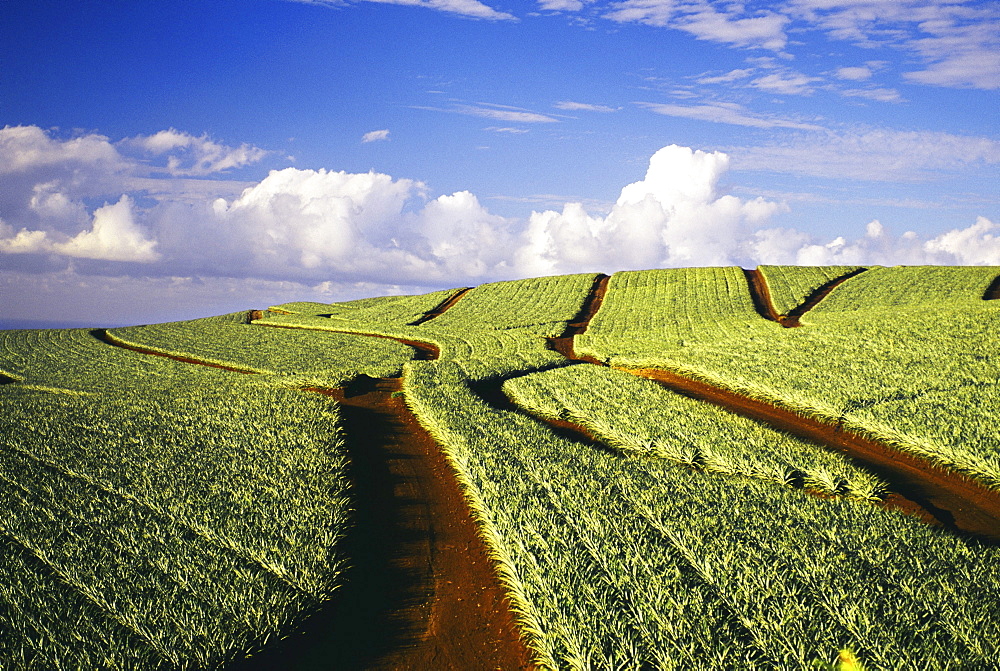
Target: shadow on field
(372, 613)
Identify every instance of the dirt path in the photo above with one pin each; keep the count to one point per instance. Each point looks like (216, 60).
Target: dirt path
(760, 293)
(992, 292)
(421, 591)
(442, 308)
(950, 498)
(107, 338)
(919, 488)
(792, 318)
(564, 343)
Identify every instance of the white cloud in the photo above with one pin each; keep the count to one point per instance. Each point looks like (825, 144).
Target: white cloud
(506, 129)
(732, 26)
(191, 155)
(728, 113)
(113, 236)
(978, 244)
(375, 135)
(468, 8)
(672, 217)
(503, 113)
(785, 83)
(871, 154)
(316, 226)
(583, 107)
(727, 78)
(882, 95)
(497, 112)
(29, 148)
(562, 5)
(958, 41)
(854, 74)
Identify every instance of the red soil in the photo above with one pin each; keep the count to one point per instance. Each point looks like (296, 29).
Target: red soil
(950, 498)
(421, 591)
(564, 343)
(922, 489)
(104, 336)
(440, 309)
(760, 292)
(821, 292)
(426, 351)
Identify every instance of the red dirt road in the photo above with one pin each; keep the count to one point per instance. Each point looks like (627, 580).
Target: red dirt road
(950, 498)
(421, 592)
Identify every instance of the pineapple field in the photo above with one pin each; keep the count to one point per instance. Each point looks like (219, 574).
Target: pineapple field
(695, 468)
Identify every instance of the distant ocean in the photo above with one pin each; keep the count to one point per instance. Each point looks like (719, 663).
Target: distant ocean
(9, 324)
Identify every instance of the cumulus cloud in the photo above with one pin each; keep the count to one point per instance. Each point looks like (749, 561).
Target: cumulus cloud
(672, 217)
(113, 236)
(316, 226)
(978, 244)
(191, 155)
(375, 135)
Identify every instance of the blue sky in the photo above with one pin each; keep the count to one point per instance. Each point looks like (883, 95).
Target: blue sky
(167, 160)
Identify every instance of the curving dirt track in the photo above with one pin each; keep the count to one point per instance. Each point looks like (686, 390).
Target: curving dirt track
(949, 498)
(440, 309)
(920, 488)
(421, 591)
(993, 291)
(792, 318)
(760, 293)
(564, 343)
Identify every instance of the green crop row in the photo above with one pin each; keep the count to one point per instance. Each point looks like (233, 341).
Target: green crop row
(790, 286)
(395, 310)
(327, 359)
(641, 417)
(634, 563)
(184, 514)
(653, 310)
(901, 287)
(918, 375)
(494, 330)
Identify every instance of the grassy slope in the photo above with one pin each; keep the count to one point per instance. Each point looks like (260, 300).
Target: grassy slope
(902, 354)
(613, 561)
(157, 513)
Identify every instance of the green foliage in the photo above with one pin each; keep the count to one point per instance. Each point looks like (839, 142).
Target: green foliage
(397, 310)
(329, 359)
(158, 514)
(790, 286)
(904, 355)
(642, 418)
(900, 287)
(646, 312)
(635, 563)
